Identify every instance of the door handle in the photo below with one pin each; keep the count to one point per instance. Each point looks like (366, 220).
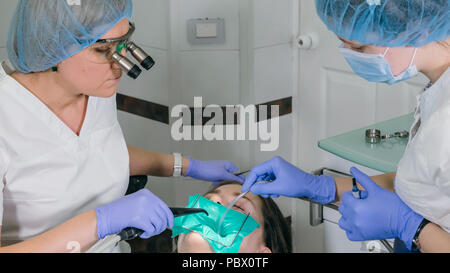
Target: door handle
(308, 42)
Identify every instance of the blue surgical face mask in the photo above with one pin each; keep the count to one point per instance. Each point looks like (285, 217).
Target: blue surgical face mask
(375, 68)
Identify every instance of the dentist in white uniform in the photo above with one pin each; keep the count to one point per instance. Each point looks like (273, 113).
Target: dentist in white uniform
(64, 163)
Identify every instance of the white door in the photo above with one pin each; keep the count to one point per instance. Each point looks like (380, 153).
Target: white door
(6, 14)
(333, 100)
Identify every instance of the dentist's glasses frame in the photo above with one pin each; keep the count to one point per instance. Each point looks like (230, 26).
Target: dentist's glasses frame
(114, 50)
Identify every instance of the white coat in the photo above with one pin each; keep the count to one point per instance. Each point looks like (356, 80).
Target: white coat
(423, 175)
(48, 174)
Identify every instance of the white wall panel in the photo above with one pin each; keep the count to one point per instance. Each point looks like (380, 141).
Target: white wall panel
(397, 100)
(349, 102)
(7, 12)
(391, 103)
(213, 75)
(272, 22)
(151, 18)
(273, 73)
(145, 133)
(152, 85)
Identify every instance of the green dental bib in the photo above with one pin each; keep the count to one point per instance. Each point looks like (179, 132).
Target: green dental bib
(235, 226)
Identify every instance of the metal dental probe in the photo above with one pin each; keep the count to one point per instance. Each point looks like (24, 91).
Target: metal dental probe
(355, 191)
(234, 203)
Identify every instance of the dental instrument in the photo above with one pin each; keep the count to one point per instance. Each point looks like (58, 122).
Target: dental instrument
(355, 191)
(234, 203)
(373, 136)
(132, 233)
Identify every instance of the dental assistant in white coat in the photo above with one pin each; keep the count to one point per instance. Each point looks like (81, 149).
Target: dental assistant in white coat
(64, 163)
(388, 41)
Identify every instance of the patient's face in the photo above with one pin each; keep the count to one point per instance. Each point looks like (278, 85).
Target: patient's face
(253, 243)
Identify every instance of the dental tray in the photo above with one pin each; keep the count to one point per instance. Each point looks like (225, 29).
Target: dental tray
(383, 157)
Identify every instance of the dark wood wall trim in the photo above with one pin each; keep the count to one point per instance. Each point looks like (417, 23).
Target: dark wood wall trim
(161, 113)
(285, 107)
(142, 108)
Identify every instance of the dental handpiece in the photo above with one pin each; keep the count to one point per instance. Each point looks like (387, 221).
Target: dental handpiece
(178, 212)
(132, 233)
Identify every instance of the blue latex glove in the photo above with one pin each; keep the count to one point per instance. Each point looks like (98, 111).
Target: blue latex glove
(213, 171)
(142, 210)
(288, 180)
(380, 214)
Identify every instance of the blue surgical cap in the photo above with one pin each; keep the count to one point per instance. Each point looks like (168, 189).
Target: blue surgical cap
(392, 23)
(43, 33)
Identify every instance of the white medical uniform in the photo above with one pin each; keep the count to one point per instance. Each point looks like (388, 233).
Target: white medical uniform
(423, 175)
(48, 174)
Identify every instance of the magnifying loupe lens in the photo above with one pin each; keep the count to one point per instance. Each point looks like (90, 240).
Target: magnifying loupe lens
(134, 72)
(148, 63)
(130, 68)
(139, 54)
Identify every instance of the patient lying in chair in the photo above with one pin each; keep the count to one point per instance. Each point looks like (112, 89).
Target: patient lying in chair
(272, 234)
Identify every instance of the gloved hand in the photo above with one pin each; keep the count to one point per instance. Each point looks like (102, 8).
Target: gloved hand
(380, 214)
(213, 171)
(288, 180)
(142, 210)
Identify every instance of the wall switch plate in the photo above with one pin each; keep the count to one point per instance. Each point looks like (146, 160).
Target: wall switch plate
(206, 31)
